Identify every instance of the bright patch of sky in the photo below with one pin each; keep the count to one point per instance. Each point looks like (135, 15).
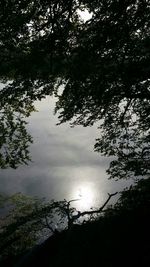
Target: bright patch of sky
(85, 15)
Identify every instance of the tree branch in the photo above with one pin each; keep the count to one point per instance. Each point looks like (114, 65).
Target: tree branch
(81, 214)
(48, 225)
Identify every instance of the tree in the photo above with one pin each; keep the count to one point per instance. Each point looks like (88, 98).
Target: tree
(28, 221)
(34, 43)
(30, 28)
(108, 82)
(103, 65)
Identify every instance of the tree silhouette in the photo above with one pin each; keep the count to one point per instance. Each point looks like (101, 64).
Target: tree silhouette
(108, 81)
(103, 68)
(103, 65)
(29, 221)
(34, 41)
(31, 28)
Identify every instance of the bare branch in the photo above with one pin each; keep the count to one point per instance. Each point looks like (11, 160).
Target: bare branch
(81, 214)
(125, 111)
(72, 200)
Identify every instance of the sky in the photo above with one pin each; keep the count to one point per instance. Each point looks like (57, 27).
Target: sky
(85, 15)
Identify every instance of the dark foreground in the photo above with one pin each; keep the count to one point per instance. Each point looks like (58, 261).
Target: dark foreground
(121, 240)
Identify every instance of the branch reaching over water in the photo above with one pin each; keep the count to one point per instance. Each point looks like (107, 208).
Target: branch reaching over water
(73, 218)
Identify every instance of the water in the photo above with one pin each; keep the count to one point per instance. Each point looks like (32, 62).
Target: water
(64, 165)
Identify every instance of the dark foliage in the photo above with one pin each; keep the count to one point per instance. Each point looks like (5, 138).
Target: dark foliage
(109, 80)
(34, 42)
(103, 65)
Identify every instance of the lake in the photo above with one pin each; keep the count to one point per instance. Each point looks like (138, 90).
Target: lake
(64, 165)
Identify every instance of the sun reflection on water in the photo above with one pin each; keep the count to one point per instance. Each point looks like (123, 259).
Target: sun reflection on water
(86, 196)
